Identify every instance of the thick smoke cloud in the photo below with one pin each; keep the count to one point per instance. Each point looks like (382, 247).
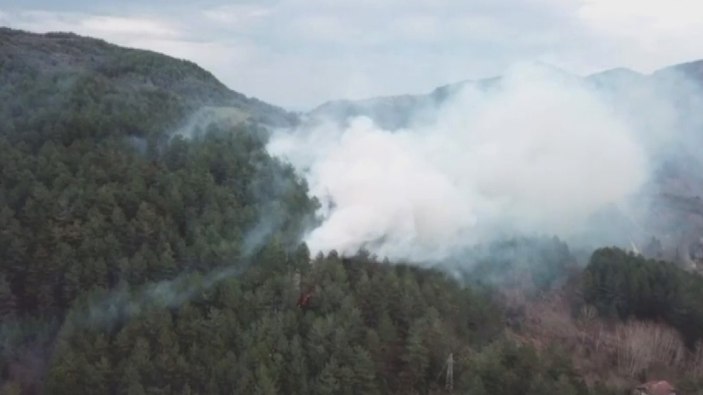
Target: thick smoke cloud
(543, 152)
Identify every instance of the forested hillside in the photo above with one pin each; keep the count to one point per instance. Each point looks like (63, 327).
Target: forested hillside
(63, 86)
(136, 258)
(98, 193)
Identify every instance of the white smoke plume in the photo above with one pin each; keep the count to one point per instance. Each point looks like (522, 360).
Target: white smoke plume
(542, 153)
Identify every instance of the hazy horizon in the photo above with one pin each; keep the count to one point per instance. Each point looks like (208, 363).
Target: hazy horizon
(299, 54)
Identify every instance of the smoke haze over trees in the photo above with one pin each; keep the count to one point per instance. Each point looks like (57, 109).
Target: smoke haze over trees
(160, 233)
(537, 151)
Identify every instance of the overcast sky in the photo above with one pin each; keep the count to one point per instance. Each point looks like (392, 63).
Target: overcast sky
(300, 53)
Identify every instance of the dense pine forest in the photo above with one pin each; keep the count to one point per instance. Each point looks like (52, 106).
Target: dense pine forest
(144, 253)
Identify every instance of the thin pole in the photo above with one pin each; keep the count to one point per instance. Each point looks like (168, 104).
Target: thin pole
(449, 382)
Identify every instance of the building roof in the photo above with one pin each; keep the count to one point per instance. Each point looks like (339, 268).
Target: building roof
(657, 388)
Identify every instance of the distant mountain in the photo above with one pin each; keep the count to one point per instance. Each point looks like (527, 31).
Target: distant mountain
(616, 79)
(692, 70)
(395, 112)
(50, 75)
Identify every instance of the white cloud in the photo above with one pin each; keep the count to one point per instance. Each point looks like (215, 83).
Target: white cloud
(323, 27)
(649, 33)
(110, 25)
(417, 27)
(300, 53)
(101, 26)
(674, 16)
(237, 15)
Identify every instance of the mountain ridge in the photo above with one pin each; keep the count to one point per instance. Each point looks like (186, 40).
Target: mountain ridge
(62, 61)
(402, 106)
(55, 54)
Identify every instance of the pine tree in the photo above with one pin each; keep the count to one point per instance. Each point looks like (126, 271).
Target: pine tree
(8, 302)
(294, 378)
(364, 379)
(475, 386)
(265, 384)
(415, 358)
(327, 382)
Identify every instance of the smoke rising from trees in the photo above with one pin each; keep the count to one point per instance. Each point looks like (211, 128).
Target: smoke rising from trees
(542, 152)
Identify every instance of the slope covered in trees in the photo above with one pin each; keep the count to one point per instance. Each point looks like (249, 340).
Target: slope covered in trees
(61, 86)
(367, 328)
(98, 194)
(627, 286)
(136, 261)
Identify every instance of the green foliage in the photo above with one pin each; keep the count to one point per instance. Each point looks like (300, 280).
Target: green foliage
(248, 334)
(102, 214)
(506, 368)
(63, 88)
(692, 384)
(98, 197)
(136, 261)
(532, 263)
(624, 285)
